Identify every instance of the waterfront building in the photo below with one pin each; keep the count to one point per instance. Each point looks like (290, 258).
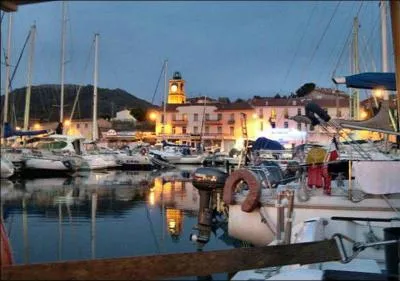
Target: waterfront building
(219, 123)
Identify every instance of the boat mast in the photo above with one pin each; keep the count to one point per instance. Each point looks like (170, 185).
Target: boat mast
(63, 26)
(94, 125)
(395, 20)
(165, 97)
(8, 58)
(355, 97)
(29, 80)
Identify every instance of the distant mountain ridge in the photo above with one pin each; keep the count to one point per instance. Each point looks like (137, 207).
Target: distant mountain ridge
(45, 102)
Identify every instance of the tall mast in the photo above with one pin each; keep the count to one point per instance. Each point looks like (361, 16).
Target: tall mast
(29, 80)
(8, 58)
(395, 19)
(63, 26)
(165, 95)
(355, 69)
(94, 125)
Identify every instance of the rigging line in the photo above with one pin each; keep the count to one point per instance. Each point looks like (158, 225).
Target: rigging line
(158, 82)
(369, 54)
(298, 48)
(320, 40)
(19, 58)
(342, 52)
(152, 229)
(80, 86)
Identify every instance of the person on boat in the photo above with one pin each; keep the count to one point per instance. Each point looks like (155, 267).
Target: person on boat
(60, 128)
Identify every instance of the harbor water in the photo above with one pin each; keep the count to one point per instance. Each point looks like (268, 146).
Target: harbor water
(109, 214)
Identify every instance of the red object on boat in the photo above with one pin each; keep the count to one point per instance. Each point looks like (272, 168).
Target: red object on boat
(6, 253)
(315, 176)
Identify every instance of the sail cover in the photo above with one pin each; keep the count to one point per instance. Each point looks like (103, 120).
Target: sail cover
(9, 132)
(267, 144)
(369, 80)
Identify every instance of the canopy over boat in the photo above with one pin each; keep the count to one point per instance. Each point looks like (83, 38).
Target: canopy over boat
(264, 143)
(369, 80)
(9, 132)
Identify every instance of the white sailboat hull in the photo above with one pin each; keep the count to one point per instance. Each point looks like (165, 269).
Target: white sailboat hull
(49, 164)
(7, 168)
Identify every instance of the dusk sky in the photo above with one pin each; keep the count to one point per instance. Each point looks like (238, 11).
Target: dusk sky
(226, 48)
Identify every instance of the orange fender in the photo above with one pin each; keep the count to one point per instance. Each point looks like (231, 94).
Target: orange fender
(6, 253)
(252, 200)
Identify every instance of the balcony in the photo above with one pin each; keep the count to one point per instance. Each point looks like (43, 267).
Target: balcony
(177, 122)
(213, 121)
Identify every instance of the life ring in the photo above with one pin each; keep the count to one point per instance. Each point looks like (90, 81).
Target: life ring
(252, 200)
(313, 109)
(143, 151)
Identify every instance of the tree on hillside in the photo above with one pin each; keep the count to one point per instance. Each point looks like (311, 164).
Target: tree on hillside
(277, 96)
(239, 100)
(139, 113)
(305, 89)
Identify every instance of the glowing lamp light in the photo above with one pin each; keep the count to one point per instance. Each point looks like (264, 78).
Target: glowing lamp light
(172, 224)
(152, 116)
(363, 114)
(174, 88)
(18, 128)
(254, 115)
(37, 126)
(378, 93)
(67, 122)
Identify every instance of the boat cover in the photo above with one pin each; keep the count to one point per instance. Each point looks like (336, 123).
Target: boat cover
(377, 177)
(9, 132)
(372, 80)
(267, 144)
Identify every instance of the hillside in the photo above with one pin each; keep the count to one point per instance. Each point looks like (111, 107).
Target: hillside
(45, 101)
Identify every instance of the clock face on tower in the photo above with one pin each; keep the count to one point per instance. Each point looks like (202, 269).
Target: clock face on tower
(174, 88)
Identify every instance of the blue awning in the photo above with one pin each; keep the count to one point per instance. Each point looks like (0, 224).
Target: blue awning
(369, 80)
(267, 144)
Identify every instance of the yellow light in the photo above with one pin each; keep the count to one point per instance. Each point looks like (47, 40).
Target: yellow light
(67, 123)
(152, 198)
(37, 126)
(174, 88)
(378, 93)
(153, 116)
(363, 114)
(254, 116)
(172, 224)
(18, 128)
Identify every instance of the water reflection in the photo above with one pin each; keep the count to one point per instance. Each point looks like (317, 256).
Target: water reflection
(104, 215)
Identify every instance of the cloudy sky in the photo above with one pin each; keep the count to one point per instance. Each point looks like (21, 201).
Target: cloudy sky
(222, 48)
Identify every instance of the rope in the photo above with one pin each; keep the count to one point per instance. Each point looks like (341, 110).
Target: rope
(321, 38)
(158, 82)
(152, 229)
(390, 205)
(80, 86)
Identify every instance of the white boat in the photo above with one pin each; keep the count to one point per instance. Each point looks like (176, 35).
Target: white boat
(7, 168)
(175, 155)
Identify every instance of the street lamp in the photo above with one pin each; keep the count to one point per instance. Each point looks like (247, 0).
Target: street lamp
(67, 123)
(37, 126)
(378, 93)
(153, 116)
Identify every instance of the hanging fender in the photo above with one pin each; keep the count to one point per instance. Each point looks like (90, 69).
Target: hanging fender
(313, 109)
(252, 200)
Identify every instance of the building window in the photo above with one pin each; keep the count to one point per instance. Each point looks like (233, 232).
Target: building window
(299, 111)
(311, 128)
(232, 117)
(184, 116)
(86, 125)
(162, 118)
(339, 113)
(299, 126)
(183, 130)
(196, 117)
(286, 113)
(207, 116)
(207, 130)
(261, 126)
(174, 116)
(77, 126)
(219, 130)
(260, 113)
(286, 124)
(195, 130)
(231, 131)
(219, 116)
(273, 125)
(173, 130)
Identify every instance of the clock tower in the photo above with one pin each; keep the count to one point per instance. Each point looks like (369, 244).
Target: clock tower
(176, 89)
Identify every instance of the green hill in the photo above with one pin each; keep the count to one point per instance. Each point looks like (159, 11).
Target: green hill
(45, 102)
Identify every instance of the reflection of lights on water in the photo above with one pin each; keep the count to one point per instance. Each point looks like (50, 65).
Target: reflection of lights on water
(172, 224)
(152, 198)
